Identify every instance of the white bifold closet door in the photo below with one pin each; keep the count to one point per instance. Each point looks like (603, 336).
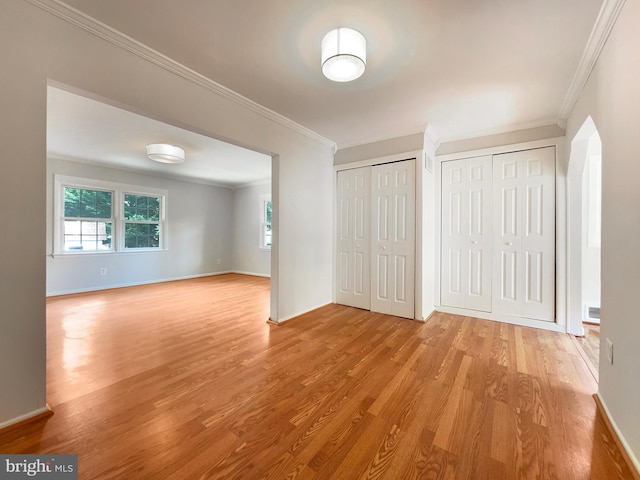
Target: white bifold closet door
(393, 238)
(466, 233)
(375, 261)
(524, 233)
(354, 232)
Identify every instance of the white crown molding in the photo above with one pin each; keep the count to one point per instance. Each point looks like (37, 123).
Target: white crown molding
(256, 183)
(602, 28)
(91, 25)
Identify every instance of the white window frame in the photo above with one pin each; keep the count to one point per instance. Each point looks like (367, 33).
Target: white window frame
(118, 223)
(263, 221)
(121, 232)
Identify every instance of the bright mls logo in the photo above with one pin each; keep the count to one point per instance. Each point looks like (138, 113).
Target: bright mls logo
(51, 467)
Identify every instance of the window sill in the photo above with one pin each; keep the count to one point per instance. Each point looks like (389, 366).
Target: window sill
(111, 253)
(266, 249)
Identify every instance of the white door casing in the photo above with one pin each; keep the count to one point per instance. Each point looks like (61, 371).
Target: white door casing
(524, 234)
(353, 246)
(466, 233)
(393, 238)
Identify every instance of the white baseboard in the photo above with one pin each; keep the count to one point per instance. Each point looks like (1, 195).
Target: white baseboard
(426, 318)
(253, 274)
(133, 284)
(623, 441)
(21, 418)
(291, 317)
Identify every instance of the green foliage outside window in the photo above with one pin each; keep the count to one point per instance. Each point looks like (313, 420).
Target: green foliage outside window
(83, 203)
(266, 225)
(141, 207)
(142, 221)
(141, 235)
(87, 219)
(267, 211)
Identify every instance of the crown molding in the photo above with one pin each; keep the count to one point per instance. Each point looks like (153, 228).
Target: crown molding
(111, 35)
(607, 17)
(255, 183)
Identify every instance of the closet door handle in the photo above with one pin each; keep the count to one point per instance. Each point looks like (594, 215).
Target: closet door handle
(507, 244)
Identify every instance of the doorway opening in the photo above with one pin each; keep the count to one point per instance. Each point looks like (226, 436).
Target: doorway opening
(117, 219)
(585, 199)
(209, 217)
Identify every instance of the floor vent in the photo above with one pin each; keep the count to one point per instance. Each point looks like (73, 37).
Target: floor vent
(593, 313)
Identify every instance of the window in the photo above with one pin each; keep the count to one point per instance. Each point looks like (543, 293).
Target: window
(265, 235)
(141, 221)
(102, 217)
(88, 219)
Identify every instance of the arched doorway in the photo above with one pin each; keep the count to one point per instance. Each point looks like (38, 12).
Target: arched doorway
(583, 235)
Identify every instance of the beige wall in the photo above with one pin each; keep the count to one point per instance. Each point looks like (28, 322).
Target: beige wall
(498, 140)
(612, 98)
(383, 148)
(37, 47)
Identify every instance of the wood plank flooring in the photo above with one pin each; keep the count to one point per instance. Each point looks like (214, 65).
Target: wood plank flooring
(185, 380)
(590, 344)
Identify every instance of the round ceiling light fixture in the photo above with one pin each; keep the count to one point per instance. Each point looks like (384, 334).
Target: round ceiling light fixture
(165, 153)
(344, 54)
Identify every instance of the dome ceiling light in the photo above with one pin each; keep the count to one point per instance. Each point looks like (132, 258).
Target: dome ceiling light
(164, 153)
(344, 54)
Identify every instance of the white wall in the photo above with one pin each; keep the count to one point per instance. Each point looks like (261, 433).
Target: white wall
(500, 139)
(247, 255)
(382, 148)
(37, 47)
(612, 98)
(199, 233)
(429, 205)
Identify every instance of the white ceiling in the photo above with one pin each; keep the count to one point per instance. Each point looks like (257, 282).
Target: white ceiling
(465, 67)
(84, 129)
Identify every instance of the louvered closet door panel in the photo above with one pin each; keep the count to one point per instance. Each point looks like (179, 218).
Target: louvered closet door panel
(393, 238)
(354, 229)
(466, 233)
(524, 234)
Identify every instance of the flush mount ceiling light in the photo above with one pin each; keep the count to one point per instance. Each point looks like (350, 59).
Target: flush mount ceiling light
(164, 153)
(344, 54)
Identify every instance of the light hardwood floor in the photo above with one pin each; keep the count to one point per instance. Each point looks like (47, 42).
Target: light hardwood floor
(185, 380)
(590, 344)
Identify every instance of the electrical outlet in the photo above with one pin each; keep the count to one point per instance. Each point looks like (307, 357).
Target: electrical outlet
(103, 270)
(219, 261)
(609, 344)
